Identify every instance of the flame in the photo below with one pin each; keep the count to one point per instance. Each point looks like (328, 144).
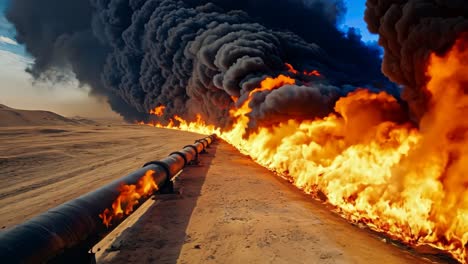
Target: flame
(307, 73)
(158, 111)
(291, 69)
(445, 144)
(312, 73)
(128, 198)
(407, 182)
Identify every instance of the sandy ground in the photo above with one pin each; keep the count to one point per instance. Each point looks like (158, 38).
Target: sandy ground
(45, 166)
(231, 210)
(16, 117)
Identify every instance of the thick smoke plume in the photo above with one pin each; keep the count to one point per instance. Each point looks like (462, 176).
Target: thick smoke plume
(409, 32)
(195, 56)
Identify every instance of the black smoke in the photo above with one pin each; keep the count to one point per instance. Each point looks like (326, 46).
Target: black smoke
(409, 32)
(193, 56)
(60, 37)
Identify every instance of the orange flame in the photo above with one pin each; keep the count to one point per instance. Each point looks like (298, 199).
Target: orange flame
(307, 73)
(409, 183)
(312, 73)
(128, 198)
(158, 111)
(291, 69)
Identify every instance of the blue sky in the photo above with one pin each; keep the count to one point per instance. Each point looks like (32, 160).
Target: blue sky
(18, 90)
(72, 99)
(355, 18)
(7, 32)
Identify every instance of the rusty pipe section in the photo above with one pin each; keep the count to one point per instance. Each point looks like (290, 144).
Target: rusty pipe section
(66, 232)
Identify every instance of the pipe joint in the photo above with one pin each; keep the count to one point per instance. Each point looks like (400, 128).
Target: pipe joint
(194, 148)
(182, 155)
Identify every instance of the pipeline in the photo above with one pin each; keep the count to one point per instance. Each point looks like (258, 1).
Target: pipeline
(66, 234)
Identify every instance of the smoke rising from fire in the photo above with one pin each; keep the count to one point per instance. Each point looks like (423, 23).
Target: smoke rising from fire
(194, 56)
(270, 70)
(409, 31)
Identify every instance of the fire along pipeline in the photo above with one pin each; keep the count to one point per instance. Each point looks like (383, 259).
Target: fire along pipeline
(67, 233)
(281, 83)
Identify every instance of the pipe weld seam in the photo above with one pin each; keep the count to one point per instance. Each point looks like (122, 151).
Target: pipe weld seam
(182, 155)
(194, 148)
(203, 141)
(164, 166)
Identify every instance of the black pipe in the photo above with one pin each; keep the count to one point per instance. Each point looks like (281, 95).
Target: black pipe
(75, 226)
(205, 142)
(192, 149)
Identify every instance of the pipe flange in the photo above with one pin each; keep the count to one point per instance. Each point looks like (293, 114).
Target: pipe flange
(182, 155)
(198, 141)
(205, 144)
(194, 148)
(161, 164)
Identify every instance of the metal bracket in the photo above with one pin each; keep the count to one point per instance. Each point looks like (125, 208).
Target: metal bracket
(168, 188)
(194, 162)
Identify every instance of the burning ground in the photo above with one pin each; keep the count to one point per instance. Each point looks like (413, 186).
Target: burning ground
(283, 85)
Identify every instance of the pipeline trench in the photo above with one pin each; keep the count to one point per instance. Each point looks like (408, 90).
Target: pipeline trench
(222, 209)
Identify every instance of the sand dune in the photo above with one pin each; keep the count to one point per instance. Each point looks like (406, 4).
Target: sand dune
(15, 117)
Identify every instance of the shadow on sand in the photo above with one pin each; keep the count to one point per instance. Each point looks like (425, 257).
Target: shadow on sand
(159, 234)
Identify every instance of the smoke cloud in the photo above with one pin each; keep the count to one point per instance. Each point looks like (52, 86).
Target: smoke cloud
(194, 56)
(409, 32)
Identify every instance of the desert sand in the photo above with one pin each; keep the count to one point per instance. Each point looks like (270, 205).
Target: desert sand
(15, 117)
(44, 166)
(231, 210)
(227, 209)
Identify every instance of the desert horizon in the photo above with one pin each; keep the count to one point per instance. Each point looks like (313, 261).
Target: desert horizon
(218, 131)
(87, 109)
(55, 159)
